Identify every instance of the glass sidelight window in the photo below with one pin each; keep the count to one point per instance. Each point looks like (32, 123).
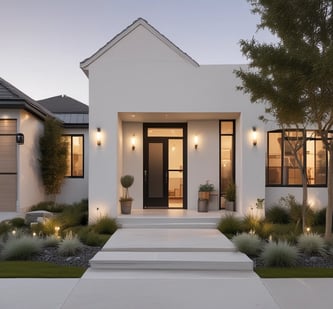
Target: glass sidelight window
(74, 155)
(227, 154)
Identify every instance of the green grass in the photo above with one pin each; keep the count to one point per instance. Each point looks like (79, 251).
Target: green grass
(294, 272)
(28, 269)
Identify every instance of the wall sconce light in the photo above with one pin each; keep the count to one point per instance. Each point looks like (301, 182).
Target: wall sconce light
(196, 140)
(133, 142)
(99, 137)
(254, 136)
(19, 138)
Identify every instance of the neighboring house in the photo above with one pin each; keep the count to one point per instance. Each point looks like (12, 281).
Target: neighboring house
(189, 124)
(21, 125)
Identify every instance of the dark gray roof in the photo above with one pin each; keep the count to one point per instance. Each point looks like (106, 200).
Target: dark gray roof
(63, 104)
(11, 97)
(68, 110)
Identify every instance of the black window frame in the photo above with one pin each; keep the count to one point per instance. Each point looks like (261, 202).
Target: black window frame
(83, 155)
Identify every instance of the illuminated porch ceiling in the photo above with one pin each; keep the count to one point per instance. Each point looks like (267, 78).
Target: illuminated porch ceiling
(174, 117)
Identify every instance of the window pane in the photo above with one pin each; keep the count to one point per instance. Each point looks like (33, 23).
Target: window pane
(77, 149)
(226, 161)
(69, 155)
(165, 132)
(227, 127)
(292, 171)
(274, 158)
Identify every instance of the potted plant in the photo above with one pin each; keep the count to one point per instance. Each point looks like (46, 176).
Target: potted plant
(126, 201)
(204, 190)
(204, 195)
(230, 196)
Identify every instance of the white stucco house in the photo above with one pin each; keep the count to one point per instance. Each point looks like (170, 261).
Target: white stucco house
(187, 124)
(173, 124)
(21, 125)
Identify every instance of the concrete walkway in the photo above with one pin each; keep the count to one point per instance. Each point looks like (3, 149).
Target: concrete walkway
(162, 268)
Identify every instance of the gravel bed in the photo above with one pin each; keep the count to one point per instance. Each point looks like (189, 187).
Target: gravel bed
(51, 255)
(306, 261)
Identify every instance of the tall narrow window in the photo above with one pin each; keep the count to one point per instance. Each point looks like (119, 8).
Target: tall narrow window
(227, 154)
(75, 156)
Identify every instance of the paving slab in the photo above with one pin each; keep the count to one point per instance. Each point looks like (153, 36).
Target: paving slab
(168, 240)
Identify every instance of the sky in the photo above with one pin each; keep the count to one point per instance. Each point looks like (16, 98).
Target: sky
(42, 42)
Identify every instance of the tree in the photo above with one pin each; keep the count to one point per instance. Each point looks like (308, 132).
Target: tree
(53, 156)
(294, 77)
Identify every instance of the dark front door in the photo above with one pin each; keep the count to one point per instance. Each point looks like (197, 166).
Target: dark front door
(164, 161)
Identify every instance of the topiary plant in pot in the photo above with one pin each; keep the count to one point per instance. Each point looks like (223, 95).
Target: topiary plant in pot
(126, 201)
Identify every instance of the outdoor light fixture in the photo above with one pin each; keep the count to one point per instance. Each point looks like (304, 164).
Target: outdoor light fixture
(19, 138)
(99, 137)
(254, 136)
(196, 140)
(133, 142)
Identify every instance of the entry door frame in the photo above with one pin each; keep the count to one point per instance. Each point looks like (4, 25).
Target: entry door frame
(163, 140)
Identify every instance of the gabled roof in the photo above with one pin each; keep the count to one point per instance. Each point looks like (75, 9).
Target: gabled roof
(70, 111)
(11, 97)
(63, 104)
(139, 22)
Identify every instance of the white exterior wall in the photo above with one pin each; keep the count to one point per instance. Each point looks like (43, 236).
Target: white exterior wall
(141, 74)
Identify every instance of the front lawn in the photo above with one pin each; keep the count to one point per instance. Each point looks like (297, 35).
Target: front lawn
(294, 272)
(29, 269)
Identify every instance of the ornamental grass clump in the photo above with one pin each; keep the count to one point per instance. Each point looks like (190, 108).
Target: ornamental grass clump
(51, 241)
(105, 225)
(70, 245)
(250, 244)
(230, 225)
(22, 248)
(279, 254)
(311, 244)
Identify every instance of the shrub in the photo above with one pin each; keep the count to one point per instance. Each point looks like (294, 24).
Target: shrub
(4, 227)
(49, 206)
(51, 241)
(17, 222)
(73, 215)
(90, 238)
(247, 243)
(70, 245)
(105, 225)
(230, 225)
(311, 244)
(277, 214)
(20, 248)
(320, 217)
(251, 222)
(279, 254)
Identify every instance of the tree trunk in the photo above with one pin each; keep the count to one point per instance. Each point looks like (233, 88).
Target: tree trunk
(328, 226)
(305, 198)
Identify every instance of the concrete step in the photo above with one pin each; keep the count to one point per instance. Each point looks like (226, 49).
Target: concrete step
(198, 261)
(168, 222)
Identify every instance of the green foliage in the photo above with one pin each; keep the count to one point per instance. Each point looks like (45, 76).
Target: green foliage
(294, 272)
(126, 181)
(21, 248)
(51, 241)
(28, 269)
(311, 244)
(53, 156)
(230, 193)
(230, 225)
(250, 244)
(206, 187)
(105, 225)
(252, 223)
(285, 232)
(90, 238)
(17, 222)
(48, 206)
(279, 254)
(277, 214)
(73, 215)
(320, 217)
(70, 245)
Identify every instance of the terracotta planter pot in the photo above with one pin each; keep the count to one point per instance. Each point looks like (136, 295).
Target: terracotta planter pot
(203, 195)
(126, 207)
